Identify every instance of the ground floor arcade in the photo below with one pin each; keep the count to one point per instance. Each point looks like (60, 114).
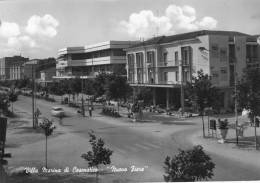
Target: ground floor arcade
(170, 97)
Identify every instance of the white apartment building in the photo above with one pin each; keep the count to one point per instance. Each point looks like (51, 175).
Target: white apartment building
(88, 61)
(162, 63)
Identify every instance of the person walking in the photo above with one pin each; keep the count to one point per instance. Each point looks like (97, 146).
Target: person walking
(90, 110)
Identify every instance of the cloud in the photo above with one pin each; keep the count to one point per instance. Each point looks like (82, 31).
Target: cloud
(9, 29)
(145, 23)
(21, 41)
(42, 26)
(208, 23)
(176, 19)
(27, 39)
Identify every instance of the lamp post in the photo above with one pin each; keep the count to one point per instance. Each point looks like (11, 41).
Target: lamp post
(182, 89)
(82, 99)
(235, 90)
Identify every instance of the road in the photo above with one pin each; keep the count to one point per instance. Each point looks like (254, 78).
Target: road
(141, 144)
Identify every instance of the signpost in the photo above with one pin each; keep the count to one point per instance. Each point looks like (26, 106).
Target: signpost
(3, 125)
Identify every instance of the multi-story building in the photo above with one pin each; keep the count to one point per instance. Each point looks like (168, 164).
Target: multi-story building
(34, 68)
(11, 68)
(88, 61)
(164, 63)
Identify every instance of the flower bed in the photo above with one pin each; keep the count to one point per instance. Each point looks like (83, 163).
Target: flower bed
(110, 112)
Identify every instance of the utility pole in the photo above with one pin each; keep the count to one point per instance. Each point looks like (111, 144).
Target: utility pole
(82, 99)
(33, 97)
(182, 89)
(235, 89)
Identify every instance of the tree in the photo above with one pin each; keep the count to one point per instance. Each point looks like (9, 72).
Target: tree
(248, 94)
(99, 154)
(76, 87)
(4, 103)
(100, 83)
(48, 127)
(190, 165)
(145, 94)
(117, 88)
(202, 93)
(12, 98)
(89, 89)
(22, 83)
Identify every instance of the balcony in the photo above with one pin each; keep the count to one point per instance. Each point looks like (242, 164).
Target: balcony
(169, 82)
(167, 64)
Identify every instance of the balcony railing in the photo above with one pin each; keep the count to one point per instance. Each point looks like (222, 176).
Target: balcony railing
(167, 64)
(154, 83)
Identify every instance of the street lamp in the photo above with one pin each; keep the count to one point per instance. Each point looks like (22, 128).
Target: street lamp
(235, 90)
(182, 89)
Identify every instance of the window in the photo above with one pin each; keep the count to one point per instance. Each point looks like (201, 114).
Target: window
(232, 75)
(186, 76)
(151, 75)
(140, 75)
(223, 74)
(186, 55)
(165, 76)
(251, 52)
(177, 75)
(139, 60)
(176, 58)
(215, 77)
(215, 50)
(165, 57)
(130, 60)
(150, 57)
(118, 52)
(223, 54)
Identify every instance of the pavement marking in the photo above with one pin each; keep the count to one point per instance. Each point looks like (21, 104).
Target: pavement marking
(142, 146)
(120, 151)
(132, 148)
(153, 146)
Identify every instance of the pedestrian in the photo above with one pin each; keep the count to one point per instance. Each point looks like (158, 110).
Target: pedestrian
(90, 111)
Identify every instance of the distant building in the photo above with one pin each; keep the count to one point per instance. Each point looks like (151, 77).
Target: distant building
(11, 68)
(88, 61)
(163, 62)
(47, 75)
(36, 67)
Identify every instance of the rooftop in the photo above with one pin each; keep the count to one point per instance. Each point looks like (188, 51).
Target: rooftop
(189, 35)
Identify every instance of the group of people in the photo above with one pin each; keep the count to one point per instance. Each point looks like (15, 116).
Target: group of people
(135, 110)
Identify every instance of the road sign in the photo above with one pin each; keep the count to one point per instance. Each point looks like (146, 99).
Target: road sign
(3, 124)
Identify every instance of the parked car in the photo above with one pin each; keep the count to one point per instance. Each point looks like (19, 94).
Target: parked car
(100, 99)
(58, 111)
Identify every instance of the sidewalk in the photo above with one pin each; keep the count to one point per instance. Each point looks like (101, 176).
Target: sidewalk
(244, 152)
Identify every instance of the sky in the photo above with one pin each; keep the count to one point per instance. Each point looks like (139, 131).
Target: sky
(39, 28)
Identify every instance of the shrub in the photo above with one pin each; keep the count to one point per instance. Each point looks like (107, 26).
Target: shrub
(110, 112)
(190, 165)
(98, 155)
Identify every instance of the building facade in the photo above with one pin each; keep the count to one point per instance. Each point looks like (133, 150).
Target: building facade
(88, 61)
(11, 68)
(164, 63)
(34, 67)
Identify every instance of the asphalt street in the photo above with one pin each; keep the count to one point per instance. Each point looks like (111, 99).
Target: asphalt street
(140, 144)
